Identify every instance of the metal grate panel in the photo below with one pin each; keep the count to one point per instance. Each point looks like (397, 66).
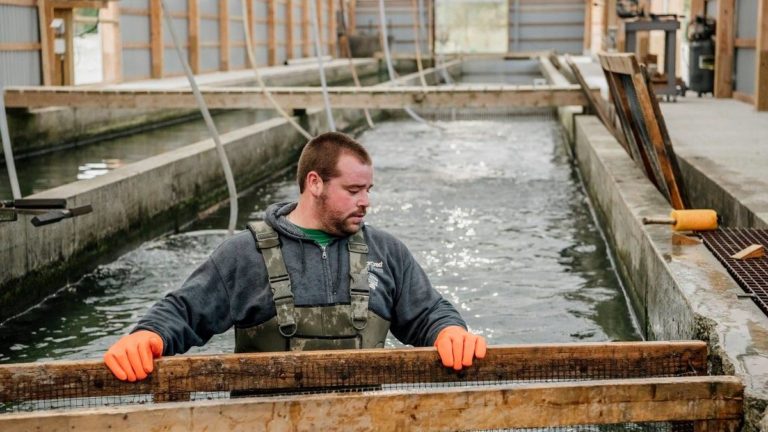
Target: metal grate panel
(751, 274)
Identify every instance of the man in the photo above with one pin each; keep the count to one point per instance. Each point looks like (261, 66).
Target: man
(311, 276)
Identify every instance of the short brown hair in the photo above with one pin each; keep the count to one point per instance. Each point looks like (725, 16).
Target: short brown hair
(321, 154)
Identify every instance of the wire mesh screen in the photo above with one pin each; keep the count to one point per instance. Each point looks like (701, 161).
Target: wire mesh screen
(58, 385)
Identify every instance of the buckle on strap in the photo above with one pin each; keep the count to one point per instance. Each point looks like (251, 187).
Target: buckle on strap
(286, 321)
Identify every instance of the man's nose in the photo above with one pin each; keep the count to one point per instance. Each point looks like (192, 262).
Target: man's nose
(364, 201)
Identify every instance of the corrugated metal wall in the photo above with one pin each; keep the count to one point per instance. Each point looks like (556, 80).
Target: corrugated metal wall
(744, 58)
(20, 25)
(400, 17)
(135, 33)
(536, 25)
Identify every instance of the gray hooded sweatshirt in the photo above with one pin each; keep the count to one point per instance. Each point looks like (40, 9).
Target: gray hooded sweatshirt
(231, 287)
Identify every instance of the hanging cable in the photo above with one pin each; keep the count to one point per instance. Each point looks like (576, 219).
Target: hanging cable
(7, 148)
(388, 58)
(417, 40)
(319, 54)
(352, 68)
(208, 122)
(260, 81)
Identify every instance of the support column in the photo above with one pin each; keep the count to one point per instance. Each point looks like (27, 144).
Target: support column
(724, 47)
(224, 35)
(761, 60)
(193, 25)
(156, 37)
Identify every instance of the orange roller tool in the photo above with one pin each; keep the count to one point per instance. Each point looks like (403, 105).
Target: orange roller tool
(688, 220)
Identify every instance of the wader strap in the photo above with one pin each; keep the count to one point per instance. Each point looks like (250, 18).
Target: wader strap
(279, 281)
(358, 283)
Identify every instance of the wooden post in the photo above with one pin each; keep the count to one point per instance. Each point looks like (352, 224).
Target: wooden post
(724, 49)
(249, 21)
(761, 62)
(697, 8)
(224, 35)
(271, 32)
(45, 42)
(332, 28)
(156, 37)
(431, 27)
(112, 43)
(587, 24)
(305, 28)
(289, 29)
(193, 20)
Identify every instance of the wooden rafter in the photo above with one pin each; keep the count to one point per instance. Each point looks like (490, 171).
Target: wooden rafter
(478, 96)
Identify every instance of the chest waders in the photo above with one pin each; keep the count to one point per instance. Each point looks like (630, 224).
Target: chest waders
(295, 328)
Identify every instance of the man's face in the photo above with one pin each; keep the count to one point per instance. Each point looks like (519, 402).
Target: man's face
(343, 201)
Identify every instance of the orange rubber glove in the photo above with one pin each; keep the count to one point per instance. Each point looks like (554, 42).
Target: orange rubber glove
(130, 358)
(457, 347)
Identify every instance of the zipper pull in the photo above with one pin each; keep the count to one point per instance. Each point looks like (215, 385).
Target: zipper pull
(325, 256)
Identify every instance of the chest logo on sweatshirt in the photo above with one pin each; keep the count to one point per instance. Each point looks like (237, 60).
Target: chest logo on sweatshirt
(373, 281)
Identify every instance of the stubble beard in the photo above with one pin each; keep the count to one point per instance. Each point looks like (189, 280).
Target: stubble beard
(335, 222)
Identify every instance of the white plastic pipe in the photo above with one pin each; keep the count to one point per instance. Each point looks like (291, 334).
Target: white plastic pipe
(208, 122)
(260, 81)
(319, 54)
(7, 148)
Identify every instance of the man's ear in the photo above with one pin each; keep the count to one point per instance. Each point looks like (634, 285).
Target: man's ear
(314, 183)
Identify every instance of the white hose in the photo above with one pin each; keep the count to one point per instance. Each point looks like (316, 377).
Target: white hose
(267, 93)
(390, 68)
(319, 54)
(208, 122)
(7, 149)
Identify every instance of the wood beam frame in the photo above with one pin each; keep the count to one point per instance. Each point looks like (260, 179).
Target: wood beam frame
(46, 44)
(351, 17)
(271, 32)
(224, 46)
(587, 24)
(306, 39)
(702, 399)
(112, 40)
(305, 97)
(724, 48)
(761, 59)
(332, 28)
(250, 18)
(193, 33)
(156, 37)
(289, 29)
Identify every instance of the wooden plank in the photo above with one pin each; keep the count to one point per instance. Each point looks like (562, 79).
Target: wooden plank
(352, 18)
(156, 37)
(460, 408)
(193, 33)
(46, 42)
(289, 29)
(271, 32)
(697, 8)
(305, 29)
(250, 18)
(744, 43)
(224, 46)
(761, 60)
(22, 382)
(743, 97)
(20, 46)
(751, 251)
(587, 25)
(331, 8)
(305, 97)
(112, 44)
(30, 3)
(724, 40)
